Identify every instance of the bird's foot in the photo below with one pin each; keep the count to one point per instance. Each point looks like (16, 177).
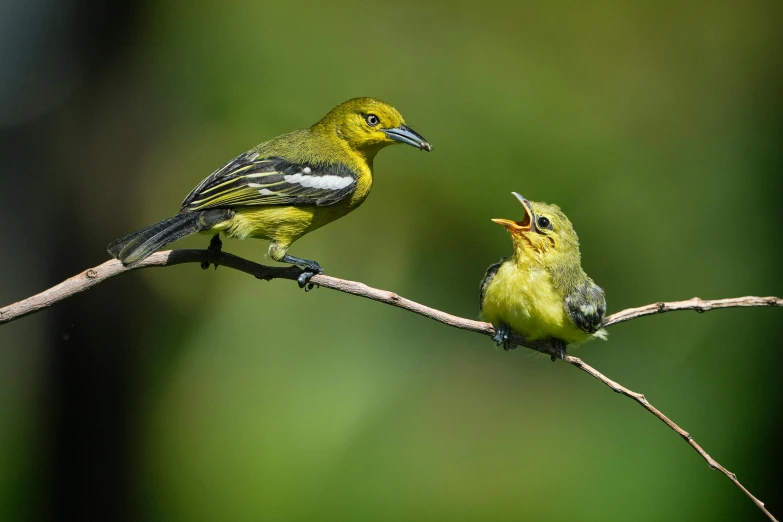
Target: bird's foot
(214, 248)
(559, 348)
(501, 336)
(309, 269)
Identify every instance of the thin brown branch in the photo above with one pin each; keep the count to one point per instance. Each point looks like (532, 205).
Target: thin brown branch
(696, 304)
(109, 269)
(641, 399)
(93, 276)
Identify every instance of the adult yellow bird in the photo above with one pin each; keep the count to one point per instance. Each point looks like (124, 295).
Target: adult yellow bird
(285, 187)
(541, 291)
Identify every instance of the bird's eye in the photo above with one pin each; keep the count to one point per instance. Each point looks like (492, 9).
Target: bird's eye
(372, 120)
(543, 222)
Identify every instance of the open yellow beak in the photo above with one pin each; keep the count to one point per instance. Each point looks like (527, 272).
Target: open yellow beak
(515, 227)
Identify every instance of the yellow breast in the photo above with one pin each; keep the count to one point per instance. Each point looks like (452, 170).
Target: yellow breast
(526, 300)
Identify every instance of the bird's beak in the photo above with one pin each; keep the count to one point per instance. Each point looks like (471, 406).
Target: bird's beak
(516, 227)
(405, 134)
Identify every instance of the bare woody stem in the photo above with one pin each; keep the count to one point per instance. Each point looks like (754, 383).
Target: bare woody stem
(109, 269)
(696, 304)
(641, 399)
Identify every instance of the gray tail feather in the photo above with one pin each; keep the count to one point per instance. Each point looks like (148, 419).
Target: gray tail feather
(137, 246)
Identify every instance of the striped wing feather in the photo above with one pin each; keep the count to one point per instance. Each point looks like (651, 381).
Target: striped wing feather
(250, 180)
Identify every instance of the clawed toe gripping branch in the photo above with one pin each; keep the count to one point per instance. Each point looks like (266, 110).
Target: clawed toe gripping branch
(214, 250)
(214, 255)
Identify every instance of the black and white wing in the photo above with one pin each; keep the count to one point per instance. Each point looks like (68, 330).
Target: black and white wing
(250, 180)
(586, 306)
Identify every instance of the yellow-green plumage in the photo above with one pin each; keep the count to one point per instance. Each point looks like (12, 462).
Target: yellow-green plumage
(541, 291)
(524, 298)
(286, 187)
(285, 224)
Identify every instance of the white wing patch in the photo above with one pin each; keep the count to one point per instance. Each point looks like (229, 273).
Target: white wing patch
(328, 182)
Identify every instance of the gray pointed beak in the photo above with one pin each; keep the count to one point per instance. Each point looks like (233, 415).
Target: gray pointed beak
(521, 199)
(405, 134)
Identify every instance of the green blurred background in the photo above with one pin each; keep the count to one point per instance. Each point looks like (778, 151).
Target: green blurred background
(183, 395)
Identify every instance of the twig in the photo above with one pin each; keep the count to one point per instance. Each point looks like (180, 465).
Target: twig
(93, 276)
(109, 269)
(696, 304)
(641, 399)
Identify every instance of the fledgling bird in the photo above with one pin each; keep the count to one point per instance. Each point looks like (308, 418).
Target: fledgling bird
(541, 291)
(285, 187)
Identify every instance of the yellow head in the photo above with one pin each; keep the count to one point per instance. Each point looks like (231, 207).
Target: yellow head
(544, 235)
(368, 125)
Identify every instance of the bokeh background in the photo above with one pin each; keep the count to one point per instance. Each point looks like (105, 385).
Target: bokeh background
(183, 395)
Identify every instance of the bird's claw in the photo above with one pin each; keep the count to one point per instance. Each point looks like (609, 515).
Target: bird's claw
(304, 280)
(311, 268)
(559, 350)
(501, 336)
(215, 247)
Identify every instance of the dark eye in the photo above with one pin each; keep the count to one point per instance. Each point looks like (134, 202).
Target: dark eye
(543, 222)
(372, 120)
